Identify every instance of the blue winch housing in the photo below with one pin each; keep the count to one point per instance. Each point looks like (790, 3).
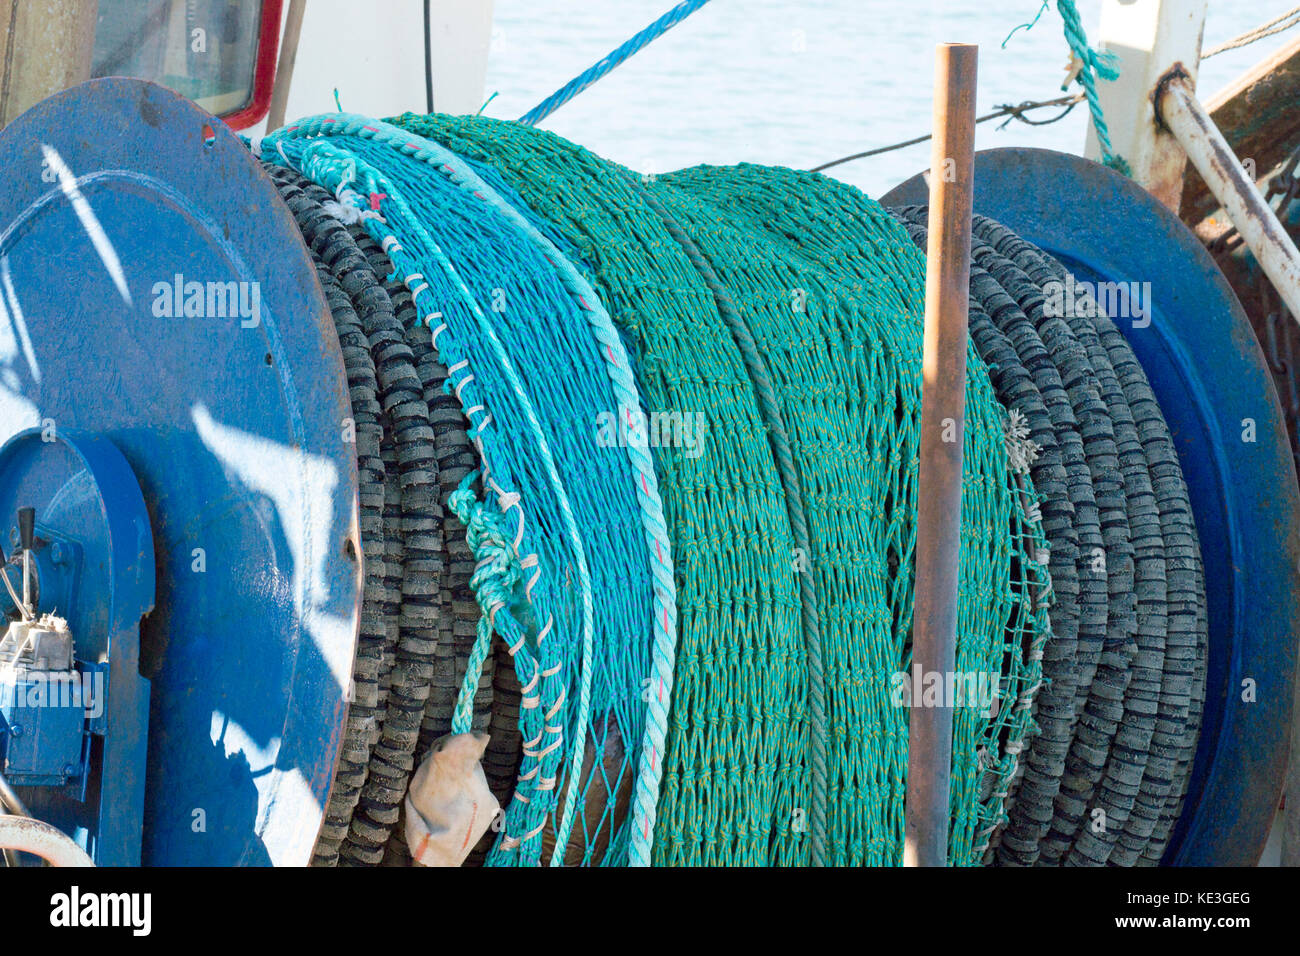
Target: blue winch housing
(42, 728)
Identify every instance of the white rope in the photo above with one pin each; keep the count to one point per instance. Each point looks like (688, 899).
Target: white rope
(1285, 22)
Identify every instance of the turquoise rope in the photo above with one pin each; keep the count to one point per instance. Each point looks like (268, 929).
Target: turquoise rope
(618, 367)
(336, 169)
(1095, 64)
(495, 577)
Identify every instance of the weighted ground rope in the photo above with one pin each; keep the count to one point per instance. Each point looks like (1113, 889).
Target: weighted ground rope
(1105, 776)
(1175, 726)
(458, 612)
(406, 444)
(1180, 577)
(737, 787)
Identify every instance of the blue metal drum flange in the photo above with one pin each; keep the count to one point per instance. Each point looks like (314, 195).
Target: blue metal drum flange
(1214, 388)
(154, 292)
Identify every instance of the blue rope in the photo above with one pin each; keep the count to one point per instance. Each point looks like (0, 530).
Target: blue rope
(583, 80)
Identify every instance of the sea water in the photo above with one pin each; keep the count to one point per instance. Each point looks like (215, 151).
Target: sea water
(801, 83)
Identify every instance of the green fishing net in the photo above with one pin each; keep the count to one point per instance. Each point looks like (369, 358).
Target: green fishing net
(781, 314)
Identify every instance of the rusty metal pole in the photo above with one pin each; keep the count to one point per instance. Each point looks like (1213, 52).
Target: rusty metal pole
(1179, 111)
(943, 417)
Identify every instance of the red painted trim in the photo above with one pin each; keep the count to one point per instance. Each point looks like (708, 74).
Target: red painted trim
(268, 51)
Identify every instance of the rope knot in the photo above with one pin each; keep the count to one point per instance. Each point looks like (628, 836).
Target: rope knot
(495, 578)
(498, 570)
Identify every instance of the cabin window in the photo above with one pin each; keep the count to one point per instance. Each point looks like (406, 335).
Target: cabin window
(212, 51)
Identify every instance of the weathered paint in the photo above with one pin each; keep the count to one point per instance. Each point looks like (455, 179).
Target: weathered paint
(1178, 110)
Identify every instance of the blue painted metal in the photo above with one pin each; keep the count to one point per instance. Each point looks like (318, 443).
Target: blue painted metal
(55, 568)
(1209, 376)
(235, 426)
(42, 737)
(93, 533)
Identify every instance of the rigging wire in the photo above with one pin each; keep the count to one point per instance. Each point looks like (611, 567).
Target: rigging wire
(1008, 110)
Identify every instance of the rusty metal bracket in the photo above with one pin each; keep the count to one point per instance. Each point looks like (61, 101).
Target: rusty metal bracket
(1178, 111)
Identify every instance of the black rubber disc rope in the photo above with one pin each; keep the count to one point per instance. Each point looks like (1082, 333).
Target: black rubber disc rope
(418, 614)
(1103, 780)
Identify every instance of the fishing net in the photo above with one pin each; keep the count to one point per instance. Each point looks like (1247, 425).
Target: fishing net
(574, 595)
(765, 302)
(746, 339)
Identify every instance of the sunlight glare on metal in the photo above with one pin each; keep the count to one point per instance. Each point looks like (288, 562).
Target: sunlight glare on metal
(13, 327)
(98, 238)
